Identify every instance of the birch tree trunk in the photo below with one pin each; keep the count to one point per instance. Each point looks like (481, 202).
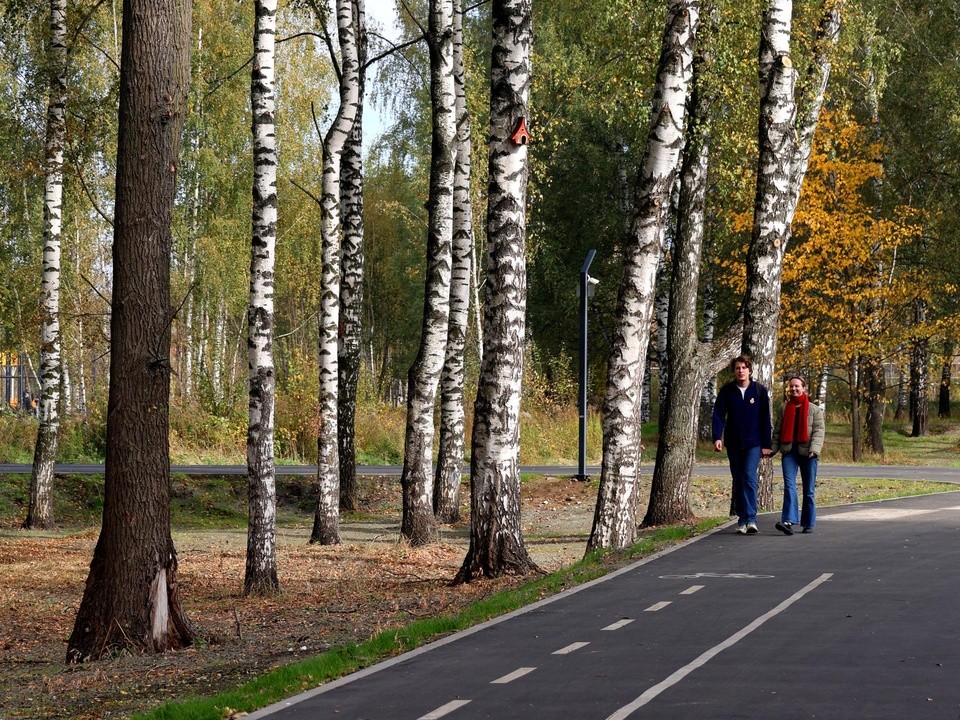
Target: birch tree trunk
(446, 489)
(326, 520)
(784, 156)
(132, 596)
(40, 509)
(614, 522)
(351, 282)
(919, 404)
(708, 395)
(691, 361)
(772, 207)
(856, 429)
(496, 542)
(261, 570)
(418, 524)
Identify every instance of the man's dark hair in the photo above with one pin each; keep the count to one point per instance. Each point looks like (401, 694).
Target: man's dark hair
(745, 359)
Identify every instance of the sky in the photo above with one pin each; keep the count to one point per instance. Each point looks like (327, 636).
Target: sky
(376, 119)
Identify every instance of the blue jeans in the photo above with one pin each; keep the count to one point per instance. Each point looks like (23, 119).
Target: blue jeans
(743, 467)
(790, 463)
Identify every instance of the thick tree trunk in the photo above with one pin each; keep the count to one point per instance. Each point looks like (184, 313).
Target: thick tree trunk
(418, 524)
(351, 284)
(261, 567)
(326, 518)
(690, 360)
(132, 597)
(496, 541)
(614, 522)
(875, 396)
(40, 509)
(772, 206)
(446, 489)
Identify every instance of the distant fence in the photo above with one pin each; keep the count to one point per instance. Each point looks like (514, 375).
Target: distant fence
(19, 393)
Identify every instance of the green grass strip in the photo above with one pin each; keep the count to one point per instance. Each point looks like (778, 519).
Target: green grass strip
(339, 661)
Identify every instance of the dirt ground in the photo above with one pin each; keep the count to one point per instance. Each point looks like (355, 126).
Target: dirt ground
(331, 595)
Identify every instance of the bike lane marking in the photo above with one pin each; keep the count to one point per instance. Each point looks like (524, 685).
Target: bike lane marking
(705, 657)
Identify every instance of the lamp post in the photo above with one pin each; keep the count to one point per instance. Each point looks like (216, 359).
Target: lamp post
(585, 292)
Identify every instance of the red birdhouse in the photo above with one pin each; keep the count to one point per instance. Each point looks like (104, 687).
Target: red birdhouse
(521, 136)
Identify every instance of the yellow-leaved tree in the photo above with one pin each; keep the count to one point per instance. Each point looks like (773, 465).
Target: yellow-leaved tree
(845, 295)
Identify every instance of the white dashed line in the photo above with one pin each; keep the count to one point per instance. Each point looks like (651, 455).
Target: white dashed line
(444, 710)
(658, 606)
(692, 589)
(570, 648)
(705, 657)
(518, 673)
(878, 514)
(618, 624)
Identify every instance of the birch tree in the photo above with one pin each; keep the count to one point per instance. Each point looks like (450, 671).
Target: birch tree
(261, 570)
(326, 521)
(782, 165)
(40, 509)
(351, 280)
(496, 541)
(132, 595)
(418, 524)
(446, 490)
(691, 361)
(614, 522)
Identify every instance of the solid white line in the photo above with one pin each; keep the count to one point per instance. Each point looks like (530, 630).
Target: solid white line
(518, 673)
(692, 589)
(677, 676)
(618, 624)
(570, 648)
(658, 606)
(444, 710)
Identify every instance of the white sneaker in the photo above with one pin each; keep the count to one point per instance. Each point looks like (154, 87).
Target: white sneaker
(752, 529)
(741, 529)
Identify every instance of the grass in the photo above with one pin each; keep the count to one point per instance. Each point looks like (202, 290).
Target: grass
(337, 662)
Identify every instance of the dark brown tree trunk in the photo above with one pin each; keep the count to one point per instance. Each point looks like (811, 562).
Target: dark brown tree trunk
(853, 372)
(903, 394)
(875, 396)
(132, 597)
(943, 397)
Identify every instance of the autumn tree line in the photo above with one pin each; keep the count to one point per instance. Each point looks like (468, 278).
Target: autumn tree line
(194, 219)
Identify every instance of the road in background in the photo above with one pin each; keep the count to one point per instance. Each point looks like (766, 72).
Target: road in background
(826, 470)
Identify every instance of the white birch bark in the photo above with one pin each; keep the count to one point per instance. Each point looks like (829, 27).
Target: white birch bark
(614, 523)
(351, 281)
(773, 194)
(261, 567)
(784, 155)
(326, 521)
(446, 491)
(496, 542)
(418, 524)
(40, 510)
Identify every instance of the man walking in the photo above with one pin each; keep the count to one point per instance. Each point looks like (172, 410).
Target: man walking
(741, 422)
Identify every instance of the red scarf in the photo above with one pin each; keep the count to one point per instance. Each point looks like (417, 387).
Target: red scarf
(789, 413)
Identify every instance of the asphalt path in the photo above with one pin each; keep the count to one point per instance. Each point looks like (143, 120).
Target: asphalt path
(826, 470)
(860, 619)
